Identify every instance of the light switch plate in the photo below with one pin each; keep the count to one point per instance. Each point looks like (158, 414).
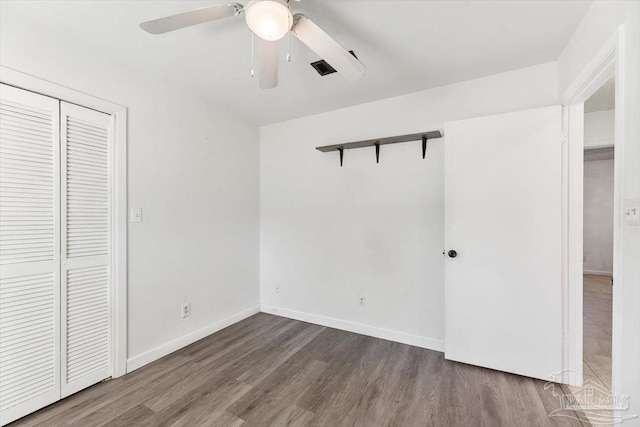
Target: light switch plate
(631, 212)
(361, 301)
(136, 215)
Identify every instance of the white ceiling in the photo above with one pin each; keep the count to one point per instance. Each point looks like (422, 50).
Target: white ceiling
(603, 99)
(407, 46)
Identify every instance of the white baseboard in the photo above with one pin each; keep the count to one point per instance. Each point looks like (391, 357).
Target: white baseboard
(162, 350)
(598, 272)
(358, 328)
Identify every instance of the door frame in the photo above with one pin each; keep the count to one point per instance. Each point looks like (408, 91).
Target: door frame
(118, 115)
(607, 62)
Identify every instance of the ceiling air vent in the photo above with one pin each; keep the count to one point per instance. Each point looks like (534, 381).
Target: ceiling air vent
(323, 68)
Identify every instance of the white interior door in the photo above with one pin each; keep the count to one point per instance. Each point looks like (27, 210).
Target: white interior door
(503, 299)
(29, 252)
(86, 247)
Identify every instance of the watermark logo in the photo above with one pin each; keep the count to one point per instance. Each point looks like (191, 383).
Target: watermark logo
(592, 403)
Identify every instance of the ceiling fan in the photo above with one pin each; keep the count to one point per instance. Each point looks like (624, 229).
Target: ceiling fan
(270, 21)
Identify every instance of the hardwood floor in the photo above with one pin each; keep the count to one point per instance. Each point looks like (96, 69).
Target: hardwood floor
(268, 370)
(597, 297)
(597, 328)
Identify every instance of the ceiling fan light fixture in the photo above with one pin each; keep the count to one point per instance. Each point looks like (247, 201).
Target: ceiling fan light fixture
(270, 20)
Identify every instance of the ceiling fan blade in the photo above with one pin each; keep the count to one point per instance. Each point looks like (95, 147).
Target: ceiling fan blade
(268, 52)
(327, 48)
(193, 17)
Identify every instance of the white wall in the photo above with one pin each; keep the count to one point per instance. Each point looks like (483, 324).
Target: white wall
(329, 234)
(602, 21)
(193, 169)
(599, 128)
(598, 216)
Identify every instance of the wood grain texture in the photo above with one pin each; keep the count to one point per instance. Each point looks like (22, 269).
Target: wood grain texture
(382, 141)
(268, 370)
(597, 329)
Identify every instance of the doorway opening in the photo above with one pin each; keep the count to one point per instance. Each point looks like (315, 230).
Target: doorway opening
(598, 235)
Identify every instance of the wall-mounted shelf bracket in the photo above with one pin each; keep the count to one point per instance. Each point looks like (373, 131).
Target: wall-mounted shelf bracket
(424, 136)
(424, 146)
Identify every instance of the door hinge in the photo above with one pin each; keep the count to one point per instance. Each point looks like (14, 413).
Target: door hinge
(564, 138)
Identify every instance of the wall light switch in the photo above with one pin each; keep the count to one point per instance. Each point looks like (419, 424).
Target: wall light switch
(361, 301)
(631, 212)
(136, 215)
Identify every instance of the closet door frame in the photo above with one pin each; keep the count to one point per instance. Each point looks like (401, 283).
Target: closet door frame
(119, 216)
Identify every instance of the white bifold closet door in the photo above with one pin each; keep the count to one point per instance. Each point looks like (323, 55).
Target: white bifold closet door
(29, 252)
(55, 251)
(86, 254)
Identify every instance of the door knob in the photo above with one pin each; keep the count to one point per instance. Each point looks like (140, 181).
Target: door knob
(452, 253)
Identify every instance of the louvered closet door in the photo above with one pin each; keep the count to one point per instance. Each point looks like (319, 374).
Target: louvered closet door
(29, 252)
(86, 247)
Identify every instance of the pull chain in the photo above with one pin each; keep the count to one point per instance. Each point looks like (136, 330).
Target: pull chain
(252, 55)
(289, 46)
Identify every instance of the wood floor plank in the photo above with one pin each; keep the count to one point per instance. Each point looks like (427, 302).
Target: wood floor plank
(422, 376)
(221, 419)
(337, 398)
(392, 398)
(210, 409)
(232, 337)
(341, 352)
(134, 416)
(278, 353)
(293, 416)
(550, 403)
(126, 400)
(210, 367)
(218, 357)
(265, 402)
(193, 379)
(224, 372)
(524, 397)
(84, 402)
(268, 370)
(201, 405)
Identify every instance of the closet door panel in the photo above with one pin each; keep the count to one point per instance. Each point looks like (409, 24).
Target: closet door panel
(29, 252)
(86, 243)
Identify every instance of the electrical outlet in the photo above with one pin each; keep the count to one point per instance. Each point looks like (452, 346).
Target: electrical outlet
(186, 309)
(360, 300)
(277, 289)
